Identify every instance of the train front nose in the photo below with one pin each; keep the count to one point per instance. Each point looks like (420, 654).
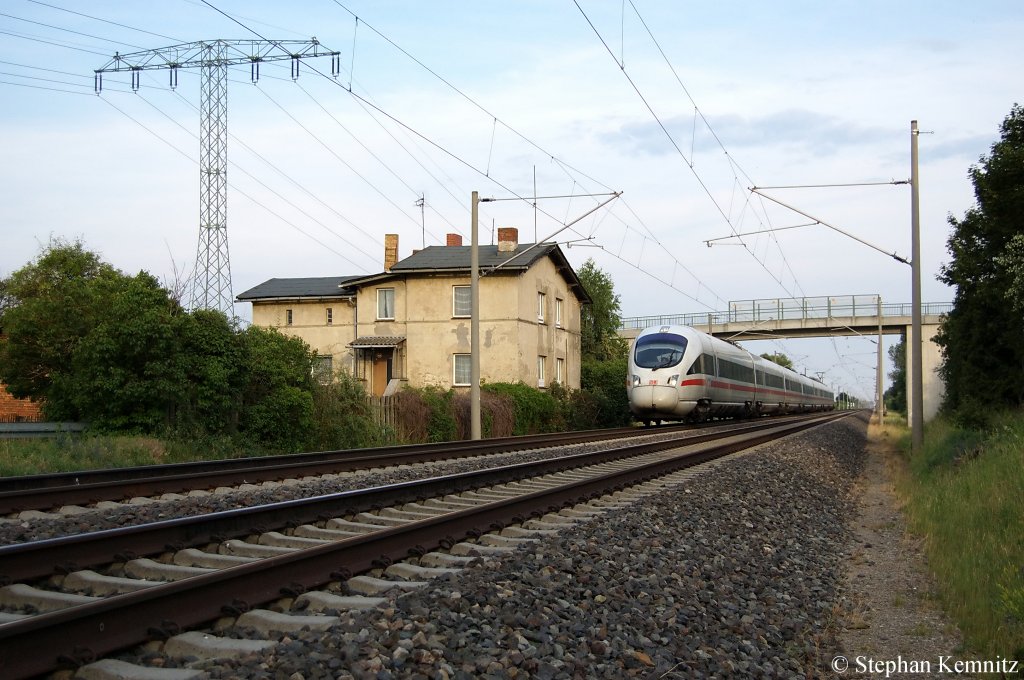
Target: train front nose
(661, 398)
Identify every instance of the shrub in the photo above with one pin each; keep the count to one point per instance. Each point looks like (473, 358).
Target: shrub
(497, 415)
(605, 382)
(535, 411)
(342, 417)
(427, 414)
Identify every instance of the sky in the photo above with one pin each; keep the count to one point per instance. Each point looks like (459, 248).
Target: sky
(681, 106)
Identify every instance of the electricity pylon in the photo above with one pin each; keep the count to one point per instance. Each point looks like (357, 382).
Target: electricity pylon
(211, 286)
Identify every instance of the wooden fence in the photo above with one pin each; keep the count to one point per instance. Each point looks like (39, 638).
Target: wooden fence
(385, 412)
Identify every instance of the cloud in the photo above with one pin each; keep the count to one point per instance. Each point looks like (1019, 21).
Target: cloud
(794, 128)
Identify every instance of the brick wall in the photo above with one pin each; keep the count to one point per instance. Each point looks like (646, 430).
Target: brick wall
(17, 410)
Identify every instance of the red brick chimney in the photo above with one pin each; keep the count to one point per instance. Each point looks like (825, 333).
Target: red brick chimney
(508, 239)
(390, 251)
(454, 240)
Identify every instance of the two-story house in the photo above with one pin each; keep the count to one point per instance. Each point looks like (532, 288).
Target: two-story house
(411, 323)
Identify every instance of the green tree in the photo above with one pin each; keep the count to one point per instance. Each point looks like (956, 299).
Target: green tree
(277, 390)
(983, 355)
(5, 301)
(779, 358)
(125, 372)
(51, 305)
(896, 395)
(600, 320)
(210, 359)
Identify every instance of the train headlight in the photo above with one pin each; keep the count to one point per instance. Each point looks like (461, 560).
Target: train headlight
(674, 380)
(636, 381)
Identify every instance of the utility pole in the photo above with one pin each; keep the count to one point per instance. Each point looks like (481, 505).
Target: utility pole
(474, 325)
(879, 404)
(211, 287)
(916, 346)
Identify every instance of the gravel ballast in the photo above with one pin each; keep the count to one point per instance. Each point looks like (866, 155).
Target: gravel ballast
(54, 525)
(732, 573)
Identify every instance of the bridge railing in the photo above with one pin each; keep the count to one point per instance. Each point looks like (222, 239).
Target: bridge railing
(788, 309)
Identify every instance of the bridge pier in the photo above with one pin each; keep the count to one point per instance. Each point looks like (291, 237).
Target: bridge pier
(932, 386)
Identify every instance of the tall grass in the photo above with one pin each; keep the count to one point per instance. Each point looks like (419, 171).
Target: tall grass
(68, 453)
(965, 496)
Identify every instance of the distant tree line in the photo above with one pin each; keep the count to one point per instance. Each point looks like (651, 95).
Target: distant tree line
(982, 338)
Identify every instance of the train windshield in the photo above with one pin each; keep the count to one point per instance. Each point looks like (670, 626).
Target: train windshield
(659, 350)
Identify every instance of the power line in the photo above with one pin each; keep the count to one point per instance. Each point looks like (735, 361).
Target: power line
(106, 21)
(233, 186)
(68, 30)
(242, 169)
(496, 121)
(682, 155)
(50, 42)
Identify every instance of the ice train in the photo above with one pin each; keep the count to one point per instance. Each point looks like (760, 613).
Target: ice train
(679, 373)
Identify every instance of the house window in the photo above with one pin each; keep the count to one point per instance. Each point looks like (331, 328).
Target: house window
(330, 315)
(462, 304)
(540, 370)
(287, 317)
(558, 312)
(560, 371)
(323, 369)
(541, 304)
(385, 303)
(462, 372)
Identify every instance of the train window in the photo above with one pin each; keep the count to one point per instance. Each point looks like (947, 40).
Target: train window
(659, 350)
(703, 365)
(709, 364)
(735, 371)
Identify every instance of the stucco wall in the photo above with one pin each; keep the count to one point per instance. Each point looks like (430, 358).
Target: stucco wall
(309, 322)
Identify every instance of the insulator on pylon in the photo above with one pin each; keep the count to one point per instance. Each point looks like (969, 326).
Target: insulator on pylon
(295, 68)
(97, 82)
(255, 71)
(173, 76)
(136, 78)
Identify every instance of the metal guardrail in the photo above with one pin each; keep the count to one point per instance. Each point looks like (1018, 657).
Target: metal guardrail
(28, 430)
(788, 309)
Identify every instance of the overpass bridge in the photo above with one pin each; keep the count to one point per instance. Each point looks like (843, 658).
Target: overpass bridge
(817, 317)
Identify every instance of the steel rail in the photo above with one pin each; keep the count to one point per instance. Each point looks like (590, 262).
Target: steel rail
(80, 634)
(41, 492)
(40, 559)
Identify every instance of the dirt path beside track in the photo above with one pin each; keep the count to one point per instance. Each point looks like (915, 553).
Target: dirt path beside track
(891, 615)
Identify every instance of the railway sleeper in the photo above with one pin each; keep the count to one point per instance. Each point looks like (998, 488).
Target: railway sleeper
(311, 531)
(145, 568)
(89, 582)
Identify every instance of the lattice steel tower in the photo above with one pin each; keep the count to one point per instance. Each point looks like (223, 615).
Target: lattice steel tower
(211, 285)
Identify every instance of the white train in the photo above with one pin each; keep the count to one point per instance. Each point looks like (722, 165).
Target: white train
(678, 373)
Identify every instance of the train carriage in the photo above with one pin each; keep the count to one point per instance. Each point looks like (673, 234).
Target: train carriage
(679, 373)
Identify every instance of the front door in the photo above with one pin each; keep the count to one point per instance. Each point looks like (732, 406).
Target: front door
(381, 371)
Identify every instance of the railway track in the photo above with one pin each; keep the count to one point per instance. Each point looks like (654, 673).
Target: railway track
(48, 491)
(71, 600)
